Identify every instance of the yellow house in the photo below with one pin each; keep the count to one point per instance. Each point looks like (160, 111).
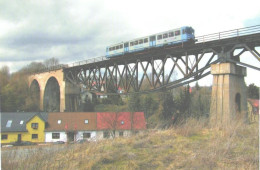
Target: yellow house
(21, 126)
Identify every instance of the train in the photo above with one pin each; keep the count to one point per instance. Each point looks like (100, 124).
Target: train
(173, 36)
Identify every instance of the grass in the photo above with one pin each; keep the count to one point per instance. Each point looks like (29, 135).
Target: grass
(190, 146)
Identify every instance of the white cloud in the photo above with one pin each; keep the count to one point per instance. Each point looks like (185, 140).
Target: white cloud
(74, 30)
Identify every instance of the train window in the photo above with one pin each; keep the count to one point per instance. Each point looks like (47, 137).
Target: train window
(165, 35)
(171, 34)
(113, 48)
(145, 40)
(152, 38)
(126, 44)
(136, 42)
(141, 41)
(121, 46)
(177, 33)
(110, 49)
(131, 43)
(189, 30)
(117, 47)
(159, 37)
(183, 31)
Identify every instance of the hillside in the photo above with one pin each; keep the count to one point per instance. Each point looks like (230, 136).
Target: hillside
(191, 146)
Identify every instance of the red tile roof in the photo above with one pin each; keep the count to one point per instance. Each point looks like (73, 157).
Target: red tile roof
(254, 102)
(70, 121)
(121, 120)
(74, 121)
(139, 121)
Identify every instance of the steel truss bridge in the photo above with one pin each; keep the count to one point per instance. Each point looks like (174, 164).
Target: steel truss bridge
(164, 67)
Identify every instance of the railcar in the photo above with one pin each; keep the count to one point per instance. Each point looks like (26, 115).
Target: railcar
(170, 37)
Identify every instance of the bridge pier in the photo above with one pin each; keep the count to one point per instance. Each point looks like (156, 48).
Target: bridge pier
(228, 100)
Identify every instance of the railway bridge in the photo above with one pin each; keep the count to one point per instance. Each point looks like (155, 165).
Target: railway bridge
(155, 69)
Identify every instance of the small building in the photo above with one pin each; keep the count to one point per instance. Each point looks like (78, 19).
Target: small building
(22, 126)
(255, 105)
(70, 126)
(73, 126)
(253, 109)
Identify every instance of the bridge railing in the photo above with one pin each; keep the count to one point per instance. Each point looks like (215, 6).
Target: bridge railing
(200, 39)
(88, 61)
(51, 68)
(229, 34)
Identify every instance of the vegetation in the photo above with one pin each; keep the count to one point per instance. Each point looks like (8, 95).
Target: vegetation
(190, 146)
(253, 91)
(165, 108)
(14, 90)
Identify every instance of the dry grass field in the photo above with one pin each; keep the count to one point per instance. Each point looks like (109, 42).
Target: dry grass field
(190, 146)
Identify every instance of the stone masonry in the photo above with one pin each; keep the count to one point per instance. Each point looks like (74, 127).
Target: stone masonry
(228, 100)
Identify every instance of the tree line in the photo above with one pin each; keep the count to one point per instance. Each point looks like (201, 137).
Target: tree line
(14, 87)
(171, 107)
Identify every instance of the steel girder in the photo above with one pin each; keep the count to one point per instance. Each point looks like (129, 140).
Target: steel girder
(155, 69)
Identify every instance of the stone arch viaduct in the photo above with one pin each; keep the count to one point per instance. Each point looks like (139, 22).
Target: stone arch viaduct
(53, 93)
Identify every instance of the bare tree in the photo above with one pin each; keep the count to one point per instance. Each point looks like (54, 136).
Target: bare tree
(110, 123)
(51, 62)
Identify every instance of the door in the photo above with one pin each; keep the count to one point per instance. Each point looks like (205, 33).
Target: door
(152, 42)
(70, 136)
(126, 47)
(19, 139)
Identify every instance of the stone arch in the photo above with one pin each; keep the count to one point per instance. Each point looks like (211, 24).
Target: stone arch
(51, 98)
(35, 94)
(238, 102)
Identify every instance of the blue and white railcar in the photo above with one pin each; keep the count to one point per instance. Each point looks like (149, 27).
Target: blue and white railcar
(174, 36)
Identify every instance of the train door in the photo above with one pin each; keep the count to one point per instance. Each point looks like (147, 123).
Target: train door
(152, 42)
(126, 47)
(107, 51)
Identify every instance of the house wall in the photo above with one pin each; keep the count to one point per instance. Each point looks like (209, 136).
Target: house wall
(126, 133)
(13, 137)
(27, 136)
(39, 130)
(48, 137)
(63, 136)
(79, 135)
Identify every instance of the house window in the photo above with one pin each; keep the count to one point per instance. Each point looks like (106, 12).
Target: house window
(55, 135)
(9, 123)
(86, 121)
(121, 133)
(86, 135)
(34, 136)
(4, 137)
(59, 121)
(34, 125)
(106, 134)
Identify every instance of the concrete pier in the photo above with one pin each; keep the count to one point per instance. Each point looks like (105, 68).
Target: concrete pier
(228, 100)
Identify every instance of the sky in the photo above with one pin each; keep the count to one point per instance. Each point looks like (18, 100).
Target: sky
(75, 30)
